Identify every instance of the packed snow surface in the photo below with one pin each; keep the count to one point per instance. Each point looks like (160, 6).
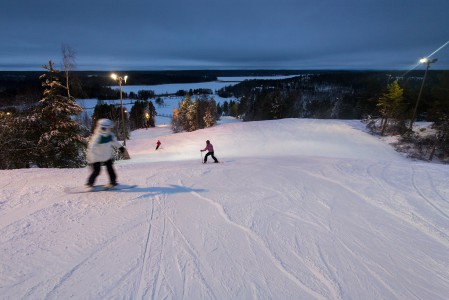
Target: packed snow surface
(299, 209)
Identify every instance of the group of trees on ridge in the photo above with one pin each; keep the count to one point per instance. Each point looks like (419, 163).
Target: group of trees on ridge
(193, 115)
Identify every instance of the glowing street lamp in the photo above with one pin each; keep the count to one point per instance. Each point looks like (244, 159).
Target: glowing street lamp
(428, 62)
(120, 81)
(147, 120)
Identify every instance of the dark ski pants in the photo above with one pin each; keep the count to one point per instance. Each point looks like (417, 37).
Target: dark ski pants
(96, 168)
(211, 154)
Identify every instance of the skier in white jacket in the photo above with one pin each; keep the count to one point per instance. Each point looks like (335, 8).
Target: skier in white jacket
(101, 150)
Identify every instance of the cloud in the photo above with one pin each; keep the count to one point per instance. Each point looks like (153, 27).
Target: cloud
(245, 33)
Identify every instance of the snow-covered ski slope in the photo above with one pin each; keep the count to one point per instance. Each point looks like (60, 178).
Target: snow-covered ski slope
(301, 209)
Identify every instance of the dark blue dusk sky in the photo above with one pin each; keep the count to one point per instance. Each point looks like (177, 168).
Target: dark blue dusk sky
(230, 34)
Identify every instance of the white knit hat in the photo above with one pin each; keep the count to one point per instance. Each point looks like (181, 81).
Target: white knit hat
(105, 123)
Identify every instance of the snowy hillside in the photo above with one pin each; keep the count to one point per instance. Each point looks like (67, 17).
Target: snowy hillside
(300, 209)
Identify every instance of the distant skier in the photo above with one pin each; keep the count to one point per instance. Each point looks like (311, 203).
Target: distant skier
(158, 144)
(210, 151)
(101, 150)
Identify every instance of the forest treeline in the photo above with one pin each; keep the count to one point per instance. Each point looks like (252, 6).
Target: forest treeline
(336, 95)
(18, 87)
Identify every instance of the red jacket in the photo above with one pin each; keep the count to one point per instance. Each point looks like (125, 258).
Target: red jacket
(209, 148)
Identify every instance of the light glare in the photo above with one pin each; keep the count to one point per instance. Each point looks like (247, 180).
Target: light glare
(423, 60)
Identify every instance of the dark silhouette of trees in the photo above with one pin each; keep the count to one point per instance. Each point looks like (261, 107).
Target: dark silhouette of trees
(142, 115)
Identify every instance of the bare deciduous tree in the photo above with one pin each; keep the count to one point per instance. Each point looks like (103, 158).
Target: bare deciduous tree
(68, 61)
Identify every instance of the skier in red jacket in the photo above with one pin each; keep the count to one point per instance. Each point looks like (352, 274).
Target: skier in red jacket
(158, 144)
(210, 151)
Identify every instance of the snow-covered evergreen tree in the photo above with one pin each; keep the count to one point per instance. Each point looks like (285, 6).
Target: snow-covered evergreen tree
(192, 116)
(175, 123)
(62, 142)
(183, 112)
(210, 115)
(18, 137)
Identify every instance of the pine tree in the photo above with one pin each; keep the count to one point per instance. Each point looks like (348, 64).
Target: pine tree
(62, 142)
(18, 137)
(192, 117)
(152, 113)
(210, 116)
(195, 115)
(142, 115)
(277, 105)
(175, 123)
(105, 111)
(183, 112)
(391, 105)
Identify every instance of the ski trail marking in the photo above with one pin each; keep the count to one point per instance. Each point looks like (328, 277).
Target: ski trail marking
(140, 293)
(420, 192)
(374, 274)
(277, 263)
(332, 286)
(191, 251)
(91, 255)
(414, 220)
(156, 285)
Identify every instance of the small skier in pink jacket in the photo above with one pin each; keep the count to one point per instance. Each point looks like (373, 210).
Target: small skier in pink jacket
(210, 151)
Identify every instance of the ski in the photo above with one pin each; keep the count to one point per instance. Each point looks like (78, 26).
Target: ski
(99, 188)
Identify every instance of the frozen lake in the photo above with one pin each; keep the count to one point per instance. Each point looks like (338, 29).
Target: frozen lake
(170, 102)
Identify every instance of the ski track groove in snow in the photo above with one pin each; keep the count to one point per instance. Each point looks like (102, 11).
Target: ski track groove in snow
(422, 194)
(99, 248)
(275, 260)
(266, 280)
(413, 219)
(141, 288)
(25, 211)
(363, 262)
(193, 252)
(333, 287)
(158, 257)
(152, 264)
(434, 189)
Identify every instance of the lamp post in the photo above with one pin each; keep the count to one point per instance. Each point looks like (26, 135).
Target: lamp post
(147, 120)
(120, 81)
(428, 62)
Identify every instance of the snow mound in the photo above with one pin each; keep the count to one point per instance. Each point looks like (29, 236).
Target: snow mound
(278, 138)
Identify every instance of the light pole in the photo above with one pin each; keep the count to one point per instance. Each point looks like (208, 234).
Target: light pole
(120, 80)
(428, 62)
(147, 120)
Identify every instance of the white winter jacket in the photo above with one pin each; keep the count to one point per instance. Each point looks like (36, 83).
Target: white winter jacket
(100, 147)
